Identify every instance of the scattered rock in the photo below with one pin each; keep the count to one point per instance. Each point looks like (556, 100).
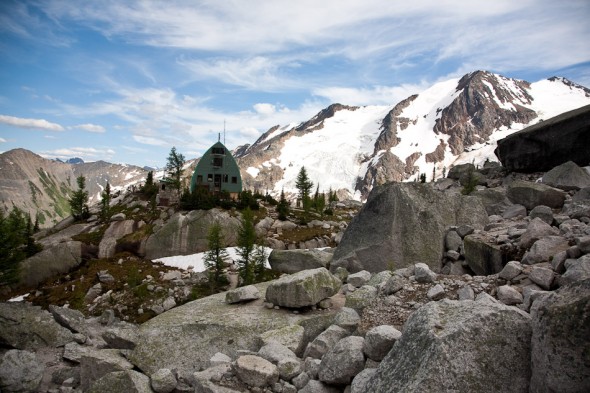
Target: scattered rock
(509, 295)
(256, 371)
(293, 261)
(302, 289)
(567, 176)
(359, 279)
(379, 341)
(437, 292)
(20, 371)
(342, 362)
(242, 294)
(163, 381)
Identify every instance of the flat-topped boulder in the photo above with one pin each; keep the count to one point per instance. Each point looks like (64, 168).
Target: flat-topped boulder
(293, 261)
(302, 289)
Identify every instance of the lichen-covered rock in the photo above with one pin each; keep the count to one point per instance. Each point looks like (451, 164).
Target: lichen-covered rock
(24, 326)
(97, 363)
(362, 297)
(72, 319)
(325, 341)
(52, 261)
(467, 340)
(302, 289)
(567, 176)
(402, 223)
(531, 194)
(186, 337)
(293, 261)
(163, 381)
(289, 336)
(242, 294)
(256, 371)
(20, 371)
(341, 363)
(348, 319)
(122, 381)
(560, 344)
(186, 233)
(379, 341)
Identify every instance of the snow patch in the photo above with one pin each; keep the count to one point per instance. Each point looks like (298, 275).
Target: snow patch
(197, 260)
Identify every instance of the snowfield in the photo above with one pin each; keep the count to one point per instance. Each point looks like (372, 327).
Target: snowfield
(196, 260)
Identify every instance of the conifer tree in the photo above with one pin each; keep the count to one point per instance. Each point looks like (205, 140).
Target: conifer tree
(259, 257)
(304, 185)
(216, 257)
(246, 241)
(79, 200)
(174, 168)
(105, 203)
(283, 207)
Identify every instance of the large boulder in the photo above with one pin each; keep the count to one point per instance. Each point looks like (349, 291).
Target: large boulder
(547, 144)
(186, 337)
(50, 262)
(115, 231)
(560, 359)
(303, 289)
(341, 363)
(186, 233)
(20, 371)
(531, 194)
(404, 223)
(459, 346)
(98, 363)
(567, 176)
(24, 326)
(293, 261)
(483, 256)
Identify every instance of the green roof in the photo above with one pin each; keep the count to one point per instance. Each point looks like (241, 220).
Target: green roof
(217, 171)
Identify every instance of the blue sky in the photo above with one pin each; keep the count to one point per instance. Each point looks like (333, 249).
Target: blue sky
(124, 81)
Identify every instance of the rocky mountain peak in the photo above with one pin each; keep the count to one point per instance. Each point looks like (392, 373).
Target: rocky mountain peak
(317, 121)
(569, 83)
(485, 102)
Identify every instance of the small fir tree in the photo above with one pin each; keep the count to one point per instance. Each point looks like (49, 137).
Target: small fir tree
(216, 257)
(174, 169)
(470, 181)
(304, 185)
(149, 188)
(246, 241)
(259, 258)
(79, 200)
(423, 178)
(105, 203)
(283, 207)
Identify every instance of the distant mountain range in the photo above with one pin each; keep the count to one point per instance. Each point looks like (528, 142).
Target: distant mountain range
(346, 148)
(352, 149)
(41, 186)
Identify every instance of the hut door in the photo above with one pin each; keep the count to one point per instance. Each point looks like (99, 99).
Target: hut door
(217, 183)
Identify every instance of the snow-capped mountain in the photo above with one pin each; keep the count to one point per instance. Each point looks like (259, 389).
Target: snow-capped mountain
(351, 149)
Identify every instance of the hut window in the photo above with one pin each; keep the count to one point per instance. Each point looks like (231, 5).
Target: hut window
(218, 150)
(199, 179)
(234, 180)
(218, 162)
(225, 178)
(209, 177)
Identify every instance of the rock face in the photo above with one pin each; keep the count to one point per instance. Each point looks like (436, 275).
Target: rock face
(302, 289)
(293, 261)
(52, 261)
(404, 223)
(468, 340)
(117, 229)
(549, 143)
(187, 233)
(560, 345)
(24, 326)
(186, 337)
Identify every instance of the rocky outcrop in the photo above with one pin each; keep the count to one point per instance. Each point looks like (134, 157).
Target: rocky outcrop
(560, 345)
(23, 326)
(398, 227)
(186, 233)
(548, 144)
(185, 337)
(52, 261)
(464, 339)
(115, 231)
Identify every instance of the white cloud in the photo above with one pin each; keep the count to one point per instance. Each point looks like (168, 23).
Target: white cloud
(265, 109)
(39, 124)
(377, 95)
(86, 153)
(2, 140)
(90, 128)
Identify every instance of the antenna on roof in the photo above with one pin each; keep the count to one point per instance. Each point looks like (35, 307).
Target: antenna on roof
(224, 131)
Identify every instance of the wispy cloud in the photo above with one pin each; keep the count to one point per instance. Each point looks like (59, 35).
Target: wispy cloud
(90, 128)
(39, 124)
(2, 140)
(86, 153)
(377, 95)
